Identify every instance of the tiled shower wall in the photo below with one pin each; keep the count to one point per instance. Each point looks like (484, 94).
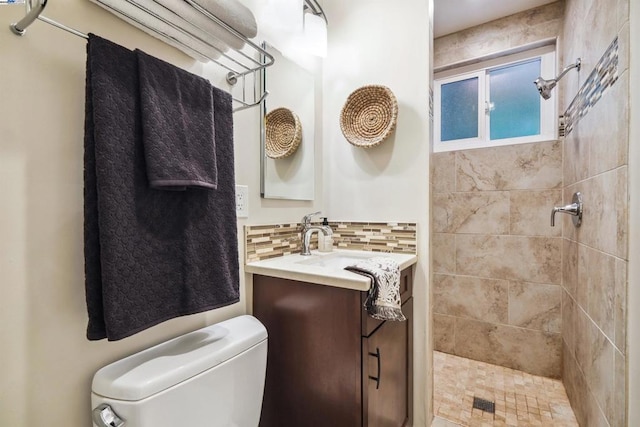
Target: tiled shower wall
(595, 255)
(496, 259)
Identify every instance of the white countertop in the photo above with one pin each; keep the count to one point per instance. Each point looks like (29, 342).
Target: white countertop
(311, 269)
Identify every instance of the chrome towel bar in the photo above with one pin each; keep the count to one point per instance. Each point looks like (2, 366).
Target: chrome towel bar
(238, 64)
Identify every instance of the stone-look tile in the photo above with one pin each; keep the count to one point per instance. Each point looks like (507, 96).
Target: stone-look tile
(531, 351)
(443, 333)
(536, 24)
(471, 297)
(443, 178)
(512, 167)
(619, 413)
(605, 212)
(576, 155)
(582, 334)
(535, 306)
(530, 212)
(529, 259)
(575, 386)
(568, 322)
(609, 144)
(600, 373)
(443, 250)
(484, 212)
(620, 305)
(570, 266)
(597, 276)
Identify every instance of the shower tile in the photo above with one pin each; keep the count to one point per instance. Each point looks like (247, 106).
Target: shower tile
(520, 399)
(443, 332)
(471, 297)
(530, 212)
(568, 322)
(620, 305)
(534, 351)
(576, 387)
(475, 212)
(599, 374)
(605, 212)
(530, 259)
(444, 252)
(582, 328)
(443, 178)
(513, 167)
(608, 144)
(535, 306)
(576, 156)
(619, 413)
(597, 275)
(570, 266)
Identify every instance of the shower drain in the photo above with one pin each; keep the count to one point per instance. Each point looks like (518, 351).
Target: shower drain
(484, 405)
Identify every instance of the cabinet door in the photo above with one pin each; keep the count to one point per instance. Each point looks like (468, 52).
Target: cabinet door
(386, 373)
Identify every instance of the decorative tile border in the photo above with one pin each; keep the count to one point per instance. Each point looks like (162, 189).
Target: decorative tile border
(275, 240)
(603, 76)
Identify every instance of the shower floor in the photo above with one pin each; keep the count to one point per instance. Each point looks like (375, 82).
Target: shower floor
(520, 399)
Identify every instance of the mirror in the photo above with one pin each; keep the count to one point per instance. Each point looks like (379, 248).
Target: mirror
(290, 86)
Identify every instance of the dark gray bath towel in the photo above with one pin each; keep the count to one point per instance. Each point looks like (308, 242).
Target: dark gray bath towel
(149, 255)
(177, 126)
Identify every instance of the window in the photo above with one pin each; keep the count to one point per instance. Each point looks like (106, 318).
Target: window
(494, 103)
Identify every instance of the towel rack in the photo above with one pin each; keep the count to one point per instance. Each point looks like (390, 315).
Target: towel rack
(239, 64)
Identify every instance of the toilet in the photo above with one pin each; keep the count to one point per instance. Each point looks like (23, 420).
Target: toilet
(212, 377)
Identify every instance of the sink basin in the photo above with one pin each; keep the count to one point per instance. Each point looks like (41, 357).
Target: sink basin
(337, 260)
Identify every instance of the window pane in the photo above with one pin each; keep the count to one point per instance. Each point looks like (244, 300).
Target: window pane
(459, 110)
(515, 100)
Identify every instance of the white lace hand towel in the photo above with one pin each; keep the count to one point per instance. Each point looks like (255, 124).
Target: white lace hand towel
(383, 301)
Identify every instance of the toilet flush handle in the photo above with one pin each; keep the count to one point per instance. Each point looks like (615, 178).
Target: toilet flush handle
(103, 416)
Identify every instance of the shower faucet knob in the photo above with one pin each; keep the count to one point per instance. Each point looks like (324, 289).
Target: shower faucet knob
(574, 209)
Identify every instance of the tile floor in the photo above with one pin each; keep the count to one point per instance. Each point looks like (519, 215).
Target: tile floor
(520, 399)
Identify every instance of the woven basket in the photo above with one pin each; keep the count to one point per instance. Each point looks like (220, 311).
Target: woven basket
(369, 115)
(283, 133)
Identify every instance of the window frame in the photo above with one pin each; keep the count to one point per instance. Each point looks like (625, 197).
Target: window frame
(548, 108)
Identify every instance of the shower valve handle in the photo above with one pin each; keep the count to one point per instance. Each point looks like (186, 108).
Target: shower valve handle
(574, 209)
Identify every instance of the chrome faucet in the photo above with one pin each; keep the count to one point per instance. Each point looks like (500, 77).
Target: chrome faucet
(308, 229)
(574, 209)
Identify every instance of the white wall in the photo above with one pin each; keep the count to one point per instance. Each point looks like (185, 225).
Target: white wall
(388, 43)
(46, 363)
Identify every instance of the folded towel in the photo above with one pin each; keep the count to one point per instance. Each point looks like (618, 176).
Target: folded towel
(181, 34)
(234, 14)
(383, 301)
(210, 28)
(149, 255)
(177, 126)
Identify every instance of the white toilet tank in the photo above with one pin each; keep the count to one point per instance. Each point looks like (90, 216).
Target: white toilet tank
(212, 377)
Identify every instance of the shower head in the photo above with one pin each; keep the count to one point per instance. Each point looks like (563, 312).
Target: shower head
(546, 86)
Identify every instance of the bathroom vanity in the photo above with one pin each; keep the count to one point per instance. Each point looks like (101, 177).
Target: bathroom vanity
(329, 363)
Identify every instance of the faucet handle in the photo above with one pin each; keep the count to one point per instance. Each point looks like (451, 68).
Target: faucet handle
(306, 220)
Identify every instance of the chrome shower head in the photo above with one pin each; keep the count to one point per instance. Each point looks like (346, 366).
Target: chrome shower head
(546, 86)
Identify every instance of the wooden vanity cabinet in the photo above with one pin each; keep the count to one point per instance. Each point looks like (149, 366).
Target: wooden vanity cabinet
(329, 364)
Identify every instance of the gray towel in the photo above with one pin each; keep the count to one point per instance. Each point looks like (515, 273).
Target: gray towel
(383, 301)
(234, 14)
(177, 126)
(149, 255)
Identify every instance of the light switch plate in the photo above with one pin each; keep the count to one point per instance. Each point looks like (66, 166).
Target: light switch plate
(242, 201)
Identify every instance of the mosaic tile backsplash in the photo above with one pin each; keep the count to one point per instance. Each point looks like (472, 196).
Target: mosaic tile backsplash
(274, 240)
(603, 76)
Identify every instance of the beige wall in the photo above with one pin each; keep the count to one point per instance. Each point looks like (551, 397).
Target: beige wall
(46, 363)
(496, 260)
(501, 35)
(375, 42)
(596, 255)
